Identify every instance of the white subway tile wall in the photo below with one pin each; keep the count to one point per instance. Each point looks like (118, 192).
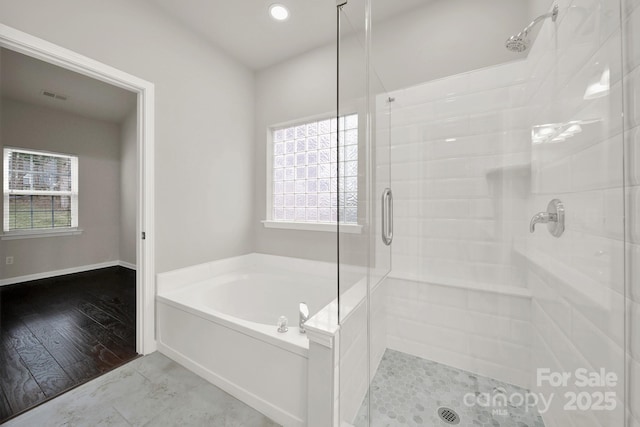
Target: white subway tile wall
(354, 350)
(460, 152)
(488, 333)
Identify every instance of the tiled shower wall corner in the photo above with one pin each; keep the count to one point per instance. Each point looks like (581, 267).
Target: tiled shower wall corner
(482, 332)
(460, 155)
(578, 280)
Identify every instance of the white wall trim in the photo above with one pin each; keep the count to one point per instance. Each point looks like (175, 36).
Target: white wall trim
(331, 227)
(128, 265)
(29, 45)
(34, 234)
(63, 272)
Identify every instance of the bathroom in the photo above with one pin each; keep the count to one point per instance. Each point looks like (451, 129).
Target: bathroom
(450, 188)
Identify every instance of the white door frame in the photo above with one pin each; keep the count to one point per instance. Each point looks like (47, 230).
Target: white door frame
(24, 43)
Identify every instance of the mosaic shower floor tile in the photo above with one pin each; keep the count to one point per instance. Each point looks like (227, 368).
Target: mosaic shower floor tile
(408, 391)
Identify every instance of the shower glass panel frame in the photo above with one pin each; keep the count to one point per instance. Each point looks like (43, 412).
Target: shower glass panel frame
(364, 260)
(353, 249)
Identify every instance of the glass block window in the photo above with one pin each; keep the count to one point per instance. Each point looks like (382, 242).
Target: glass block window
(40, 190)
(307, 174)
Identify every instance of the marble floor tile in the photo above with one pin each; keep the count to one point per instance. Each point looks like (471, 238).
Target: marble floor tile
(408, 391)
(201, 411)
(152, 390)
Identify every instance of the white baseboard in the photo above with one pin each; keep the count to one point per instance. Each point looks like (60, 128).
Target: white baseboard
(128, 265)
(55, 273)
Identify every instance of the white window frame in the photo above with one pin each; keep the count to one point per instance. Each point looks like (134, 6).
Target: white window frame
(9, 234)
(269, 222)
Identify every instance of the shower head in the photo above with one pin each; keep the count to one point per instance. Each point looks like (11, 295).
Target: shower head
(520, 42)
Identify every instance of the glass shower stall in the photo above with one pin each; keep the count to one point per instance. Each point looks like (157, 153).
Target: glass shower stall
(495, 282)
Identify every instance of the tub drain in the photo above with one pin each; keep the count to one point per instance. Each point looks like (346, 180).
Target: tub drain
(448, 415)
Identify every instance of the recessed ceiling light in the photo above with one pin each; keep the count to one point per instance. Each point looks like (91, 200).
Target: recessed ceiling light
(278, 12)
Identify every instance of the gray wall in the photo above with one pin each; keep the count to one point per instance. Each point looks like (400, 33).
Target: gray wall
(97, 145)
(445, 37)
(204, 117)
(278, 99)
(128, 188)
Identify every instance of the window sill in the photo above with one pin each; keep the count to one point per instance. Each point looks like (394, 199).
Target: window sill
(32, 234)
(313, 226)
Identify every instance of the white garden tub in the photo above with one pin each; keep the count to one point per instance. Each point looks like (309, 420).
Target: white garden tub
(219, 319)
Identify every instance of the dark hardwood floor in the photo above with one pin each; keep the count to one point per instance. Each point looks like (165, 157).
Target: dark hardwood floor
(60, 332)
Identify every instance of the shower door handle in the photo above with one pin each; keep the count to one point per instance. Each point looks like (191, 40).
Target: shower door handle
(387, 216)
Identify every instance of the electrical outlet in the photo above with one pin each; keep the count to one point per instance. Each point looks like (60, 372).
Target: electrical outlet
(9, 260)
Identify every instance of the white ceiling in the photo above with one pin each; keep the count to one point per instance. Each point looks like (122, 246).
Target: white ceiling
(24, 78)
(244, 29)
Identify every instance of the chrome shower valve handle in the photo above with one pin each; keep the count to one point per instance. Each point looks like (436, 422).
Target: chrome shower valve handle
(554, 218)
(542, 218)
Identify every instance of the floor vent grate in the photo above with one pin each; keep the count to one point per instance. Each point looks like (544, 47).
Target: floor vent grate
(448, 415)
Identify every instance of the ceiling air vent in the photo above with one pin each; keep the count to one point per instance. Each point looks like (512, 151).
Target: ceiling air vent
(53, 95)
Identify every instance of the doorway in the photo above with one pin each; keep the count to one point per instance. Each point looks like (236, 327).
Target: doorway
(132, 272)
